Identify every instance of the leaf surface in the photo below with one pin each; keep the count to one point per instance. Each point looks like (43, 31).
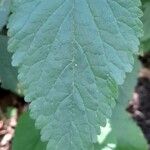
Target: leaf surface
(72, 54)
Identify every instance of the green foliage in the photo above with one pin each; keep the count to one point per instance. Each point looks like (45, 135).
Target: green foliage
(128, 135)
(8, 74)
(71, 67)
(4, 12)
(121, 133)
(72, 55)
(124, 135)
(146, 22)
(27, 137)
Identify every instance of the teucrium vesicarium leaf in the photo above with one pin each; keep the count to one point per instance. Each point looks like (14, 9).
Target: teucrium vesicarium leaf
(72, 54)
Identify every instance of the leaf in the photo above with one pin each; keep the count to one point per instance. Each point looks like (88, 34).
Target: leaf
(125, 134)
(8, 74)
(27, 137)
(145, 46)
(4, 12)
(146, 21)
(129, 136)
(71, 55)
(145, 40)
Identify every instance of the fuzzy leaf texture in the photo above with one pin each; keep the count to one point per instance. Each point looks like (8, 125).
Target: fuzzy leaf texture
(72, 54)
(112, 136)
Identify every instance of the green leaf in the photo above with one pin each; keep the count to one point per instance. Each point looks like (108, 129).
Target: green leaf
(129, 136)
(4, 12)
(125, 134)
(71, 55)
(145, 46)
(146, 21)
(8, 74)
(27, 137)
(145, 40)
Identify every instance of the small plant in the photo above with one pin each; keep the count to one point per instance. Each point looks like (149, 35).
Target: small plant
(76, 64)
